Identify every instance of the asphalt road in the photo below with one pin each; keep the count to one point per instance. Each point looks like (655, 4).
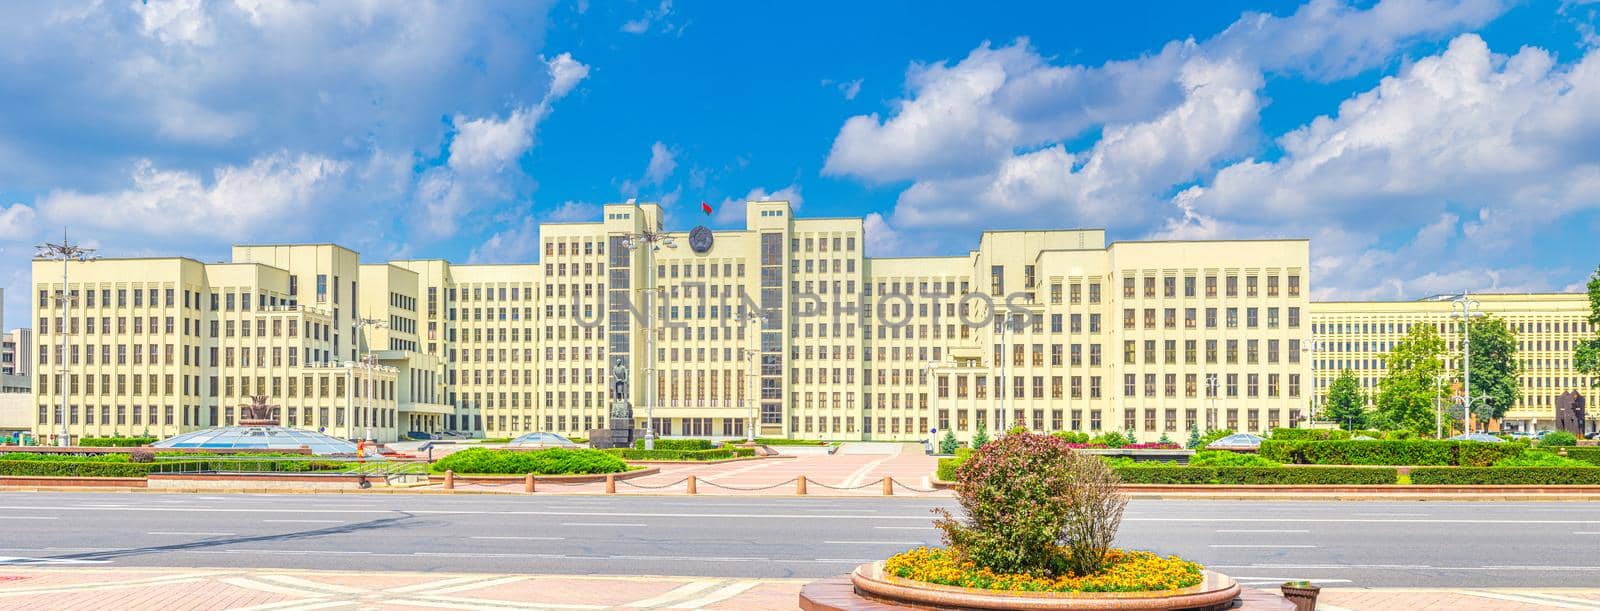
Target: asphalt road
(1378, 544)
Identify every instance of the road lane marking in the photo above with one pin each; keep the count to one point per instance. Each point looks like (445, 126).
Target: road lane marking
(876, 542)
(522, 538)
(1260, 531)
(306, 521)
(905, 528)
(1263, 546)
(1586, 532)
(32, 518)
(618, 524)
(190, 534)
(1527, 600)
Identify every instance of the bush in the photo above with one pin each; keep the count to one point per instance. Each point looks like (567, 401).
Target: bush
(1587, 454)
(1223, 458)
(61, 468)
(1071, 436)
(1111, 439)
(553, 461)
(1491, 476)
(1554, 439)
(676, 444)
(46, 457)
(1125, 571)
(947, 466)
(1539, 458)
(1348, 476)
(1033, 505)
(778, 441)
(1281, 434)
(1166, 474)
(115, 442)
(660, 454)
(1321, 476)
(141, 456)
(1409, 452)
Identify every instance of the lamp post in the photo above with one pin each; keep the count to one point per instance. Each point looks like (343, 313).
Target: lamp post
(651, 242)
(1467, 306)
(752, 358)
(64, 252)
(367, 363)
(1312, 346)
(1212, 383)
(1438, 409)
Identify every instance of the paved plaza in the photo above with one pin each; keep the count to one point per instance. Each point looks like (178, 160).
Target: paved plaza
(290, 590)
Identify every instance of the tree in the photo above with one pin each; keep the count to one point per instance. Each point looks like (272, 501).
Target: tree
(1345, 403)
(948, 443)
(1194, 437)
(1494, 367)
(1406, 391)
(1586, 356)
(980, 437)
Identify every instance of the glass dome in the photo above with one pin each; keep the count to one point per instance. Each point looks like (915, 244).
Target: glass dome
(263, 438)
(1236, 440)
(1478, 437)
(546, 440)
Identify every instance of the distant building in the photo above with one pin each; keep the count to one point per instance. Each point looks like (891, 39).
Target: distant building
(16, 352)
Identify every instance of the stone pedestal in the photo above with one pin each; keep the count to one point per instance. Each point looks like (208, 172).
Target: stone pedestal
(622, 432)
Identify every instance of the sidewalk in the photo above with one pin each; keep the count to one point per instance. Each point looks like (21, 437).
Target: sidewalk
(285, 590)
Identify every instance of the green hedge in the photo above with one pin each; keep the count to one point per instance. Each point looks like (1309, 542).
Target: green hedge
(947, 466)
(676, 444)
(660, 454)
(1536, 476)
(75, 468)
(115, 442)
(1588, 454)
(553, 461)
(1408, 452)
(46, 457)
(1224, 458)
(1352, 476)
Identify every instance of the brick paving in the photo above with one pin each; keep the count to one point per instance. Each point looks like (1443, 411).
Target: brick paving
(286, 589)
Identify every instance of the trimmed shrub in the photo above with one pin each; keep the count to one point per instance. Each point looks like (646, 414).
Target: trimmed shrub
(947, 466)
(553, 461)
(1322, 476)
(1310, 434)
(1407, 452)
(676, 444)
(1071, 436)
(141, 456)
(1491, 476)
(1554, 439)
(1222, 458)
(660, 454)
(1588, 454)
(1166, 474)
(778, 441)
(46, 457)
(115, 442)
(1539, 458)
(59, 468)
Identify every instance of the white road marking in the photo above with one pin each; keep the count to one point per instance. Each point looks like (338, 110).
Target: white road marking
(1586, 532)
(32, 518)
(190, 534)
(717, 596)
(521, 538)
(1260, 531)
(876, 542)
(619, 524)
(1264, 546)
(675, 594)
(306, 521)
(905, 528)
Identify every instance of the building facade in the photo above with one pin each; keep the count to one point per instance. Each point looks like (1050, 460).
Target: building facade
(783, 328)
(16, 352)
(1358, 335)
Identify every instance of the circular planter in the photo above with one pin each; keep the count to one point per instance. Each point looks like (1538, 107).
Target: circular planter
(1215, 591)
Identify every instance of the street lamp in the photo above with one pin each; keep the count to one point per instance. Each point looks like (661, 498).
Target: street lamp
(1312, 346)
(367, 363)
(1438, 410)
(1467, 306)
(649, 241)
(752, 357)
(64, 252)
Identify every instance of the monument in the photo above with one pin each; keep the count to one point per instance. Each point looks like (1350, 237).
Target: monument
(1569, 413)
(619, 432)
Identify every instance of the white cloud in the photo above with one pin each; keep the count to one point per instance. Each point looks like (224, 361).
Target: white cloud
(16, 222)
(880, 238)
(1475, 153)
(488, 144)
(572, 211)
(643, 23)
(731, 210)
(661, 164)
(269, 192)
(849, 89)
(516, 243)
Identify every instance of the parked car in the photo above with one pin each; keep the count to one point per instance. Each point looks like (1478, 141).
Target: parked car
(1594, 435)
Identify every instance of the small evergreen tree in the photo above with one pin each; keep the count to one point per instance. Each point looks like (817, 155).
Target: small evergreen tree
(1194, 437)
(948, 443)
(1164, 439)
(980, 437)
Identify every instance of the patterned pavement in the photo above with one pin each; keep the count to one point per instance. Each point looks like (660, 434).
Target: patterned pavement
(35, 588)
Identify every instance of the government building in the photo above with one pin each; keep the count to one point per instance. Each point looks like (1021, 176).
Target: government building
(784, 325)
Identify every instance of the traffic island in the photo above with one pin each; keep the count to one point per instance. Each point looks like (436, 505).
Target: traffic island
(1035, 531)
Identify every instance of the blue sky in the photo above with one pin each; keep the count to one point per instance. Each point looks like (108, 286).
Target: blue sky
(1422, 145)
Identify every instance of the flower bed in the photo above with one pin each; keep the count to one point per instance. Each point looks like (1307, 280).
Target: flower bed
(1124, 571)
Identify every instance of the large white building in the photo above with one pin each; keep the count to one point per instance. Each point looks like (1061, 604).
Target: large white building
(1150, 337)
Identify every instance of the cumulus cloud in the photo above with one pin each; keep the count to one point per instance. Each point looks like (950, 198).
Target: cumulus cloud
(16, 222)
(657, 16)
(661, 164)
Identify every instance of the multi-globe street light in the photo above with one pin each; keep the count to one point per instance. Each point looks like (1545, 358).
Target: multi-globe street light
(649, 241)
(65, 252)
(1467, 312)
